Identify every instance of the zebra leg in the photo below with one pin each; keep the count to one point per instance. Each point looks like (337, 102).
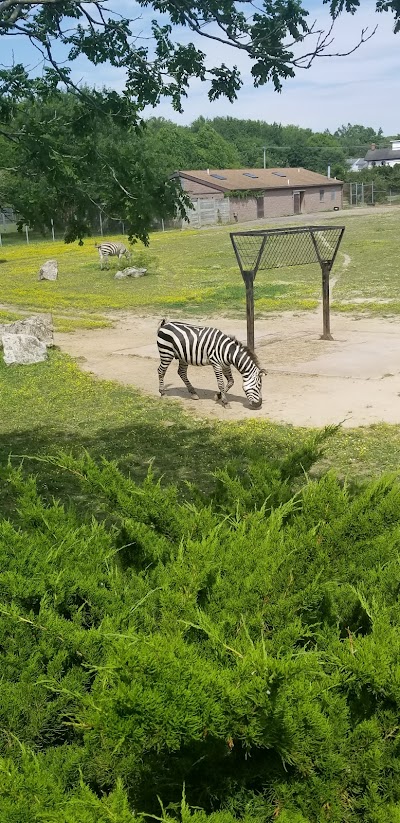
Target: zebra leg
(161, 373)
(229, 376)
(221, 385)
(182, 371)
(103, 259)
(230, 381)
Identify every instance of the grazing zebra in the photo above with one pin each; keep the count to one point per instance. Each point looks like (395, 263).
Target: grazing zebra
(202, 346)
(107, 250)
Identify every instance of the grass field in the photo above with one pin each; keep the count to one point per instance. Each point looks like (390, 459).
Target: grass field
(54, 405)
(195, 272)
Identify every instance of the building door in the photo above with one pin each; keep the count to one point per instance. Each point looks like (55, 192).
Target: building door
(298, 200)
(260, 207)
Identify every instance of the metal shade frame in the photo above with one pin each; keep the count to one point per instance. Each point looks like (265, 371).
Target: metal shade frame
(266, 249)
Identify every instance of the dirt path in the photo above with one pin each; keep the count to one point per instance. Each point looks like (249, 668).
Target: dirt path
(310, 382)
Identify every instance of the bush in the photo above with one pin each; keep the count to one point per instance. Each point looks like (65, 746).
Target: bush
(205, 660)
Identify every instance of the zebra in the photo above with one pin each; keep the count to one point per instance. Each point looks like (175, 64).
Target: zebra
(107, 250)
(200, 346)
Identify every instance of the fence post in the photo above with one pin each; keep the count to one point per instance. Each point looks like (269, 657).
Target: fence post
(101, 224)
(326, 320)
(52, 229)
(1, 242)
(372, 193)
(249, 283)
(27, 233)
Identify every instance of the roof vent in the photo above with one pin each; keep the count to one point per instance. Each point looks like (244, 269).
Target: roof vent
(373, 146)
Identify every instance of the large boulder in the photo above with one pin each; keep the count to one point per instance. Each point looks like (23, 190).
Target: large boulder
(130, 271)
(39, 325)
(23, 349)
(49, 270)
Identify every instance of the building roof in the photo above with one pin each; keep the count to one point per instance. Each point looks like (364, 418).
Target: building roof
(359, 162)
(382, 154)
(245, 179)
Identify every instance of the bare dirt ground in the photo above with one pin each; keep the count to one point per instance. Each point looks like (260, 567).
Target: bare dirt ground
(354, 378)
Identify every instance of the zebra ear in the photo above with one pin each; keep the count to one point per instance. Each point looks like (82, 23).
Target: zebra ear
(263, 371)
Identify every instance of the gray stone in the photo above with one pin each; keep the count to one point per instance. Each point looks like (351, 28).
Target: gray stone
(130, 271)
(49, 270)
(39, 325)
(23, 349)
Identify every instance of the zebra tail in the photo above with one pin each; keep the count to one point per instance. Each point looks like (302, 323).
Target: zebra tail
(161, 323)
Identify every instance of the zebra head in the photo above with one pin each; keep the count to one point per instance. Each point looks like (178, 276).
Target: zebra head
(252, 387)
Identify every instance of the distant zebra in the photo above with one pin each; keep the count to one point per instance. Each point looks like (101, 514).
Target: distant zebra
(202, 346)
(107, 250)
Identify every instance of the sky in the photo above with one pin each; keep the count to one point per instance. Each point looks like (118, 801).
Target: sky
(362, 88)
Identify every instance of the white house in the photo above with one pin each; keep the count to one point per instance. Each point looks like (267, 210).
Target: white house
(383, 157)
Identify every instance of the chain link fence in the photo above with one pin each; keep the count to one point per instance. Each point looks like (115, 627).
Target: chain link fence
(369, 194)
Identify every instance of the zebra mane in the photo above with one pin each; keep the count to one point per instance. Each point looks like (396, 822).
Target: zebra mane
(248, 351)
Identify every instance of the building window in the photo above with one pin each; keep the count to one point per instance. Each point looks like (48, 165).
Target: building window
(333, 194)
(260, 207)
(321, 195)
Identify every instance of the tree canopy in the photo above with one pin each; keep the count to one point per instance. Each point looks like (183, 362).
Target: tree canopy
(276, 35)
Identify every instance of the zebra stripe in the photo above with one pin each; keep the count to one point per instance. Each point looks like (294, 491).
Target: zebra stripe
(107, 250)
(202, 346)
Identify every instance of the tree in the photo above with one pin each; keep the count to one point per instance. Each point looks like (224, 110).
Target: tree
(67, 161)
(269, 35)
(356, 139)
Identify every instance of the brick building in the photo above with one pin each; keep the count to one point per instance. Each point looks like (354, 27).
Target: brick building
(238, 195)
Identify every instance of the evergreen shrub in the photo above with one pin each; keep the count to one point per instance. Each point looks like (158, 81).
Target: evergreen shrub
(201, 659)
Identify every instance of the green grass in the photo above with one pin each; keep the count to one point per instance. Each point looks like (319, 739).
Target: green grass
(53, 405)
(373, 273)
(192, 272)
(195, 273)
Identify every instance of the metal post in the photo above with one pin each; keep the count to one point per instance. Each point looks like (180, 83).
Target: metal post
(27, 233)
(249, 281)
(326, 333)
(265, 159)
(1, 242)
(372, 193)
(52, 229)
(362, 193)
(162, 225)
(101, 224)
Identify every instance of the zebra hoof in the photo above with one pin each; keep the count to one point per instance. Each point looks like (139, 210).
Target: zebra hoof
(217, 396)
(194, 396)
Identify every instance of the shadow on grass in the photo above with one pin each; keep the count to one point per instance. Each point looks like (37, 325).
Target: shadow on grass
(178, 451)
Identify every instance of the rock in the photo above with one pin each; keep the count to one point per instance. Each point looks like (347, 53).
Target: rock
(130, 271)
(49, 270)
(39, 326)
(23, 349)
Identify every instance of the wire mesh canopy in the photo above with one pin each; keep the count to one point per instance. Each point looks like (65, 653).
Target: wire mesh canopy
(276, 248)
